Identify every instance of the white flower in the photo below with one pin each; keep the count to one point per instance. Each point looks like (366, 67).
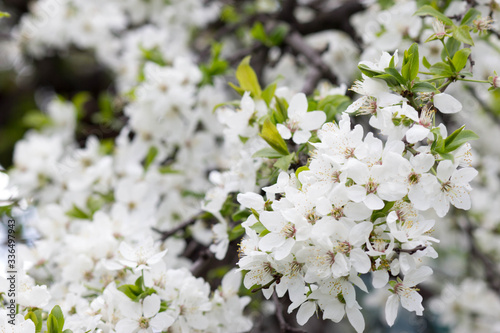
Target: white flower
(141, 256)
(405, 293)
(144, 317)
(300, 123)
(455, 187)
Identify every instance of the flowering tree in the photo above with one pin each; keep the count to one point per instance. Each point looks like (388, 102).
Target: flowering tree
(149, 195)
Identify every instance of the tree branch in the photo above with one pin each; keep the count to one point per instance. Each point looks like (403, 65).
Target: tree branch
(284, 326)
(299, 45)
(183, 225)
(410, 251)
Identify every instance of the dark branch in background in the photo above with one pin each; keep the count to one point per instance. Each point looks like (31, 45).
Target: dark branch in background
(200, 264)
(182, 226)
(284, 326)
(299, 45)
(491, 272)
(483, 105)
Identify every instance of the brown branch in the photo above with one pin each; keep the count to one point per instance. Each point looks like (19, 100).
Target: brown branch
(299, 45)
(202, 261)
(182, 226)
(483, 105)
(410, 251)
(284, 326)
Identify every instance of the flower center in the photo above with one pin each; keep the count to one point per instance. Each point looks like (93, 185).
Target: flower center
(413, 178)
(144, 322)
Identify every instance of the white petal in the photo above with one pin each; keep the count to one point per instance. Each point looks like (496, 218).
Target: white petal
(412, 301)
(127, 325)
(447, 103)
(284, 131)
(360, 261)
(417, 276)
(357, 211)
(151, 305)
(359, 233)
(312, 120)
(305, 312)
(380, 278)
(300, 137)
(416, 133)
(298, 105)
(270, 241)
(161, 321)
(463, 176)
(373, 202)
(356, 319)
(251, 200)
(356, 193)
(391, 309)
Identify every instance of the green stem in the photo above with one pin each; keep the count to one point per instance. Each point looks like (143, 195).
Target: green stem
(478, 81)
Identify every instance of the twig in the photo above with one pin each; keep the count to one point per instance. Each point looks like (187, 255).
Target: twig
(284, 326)
(299, 45)
(410, 251)
(183, 225)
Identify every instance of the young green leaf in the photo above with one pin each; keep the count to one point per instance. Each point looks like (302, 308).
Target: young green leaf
(462, 34)
(458, 138)
(57, 313)
(460, 59)
(52, 325)
(247, 78)
(470, 16)
(273, 138)
(283, 163)
(268, 152)
(268, 93)
(424, 87)
(150, 157)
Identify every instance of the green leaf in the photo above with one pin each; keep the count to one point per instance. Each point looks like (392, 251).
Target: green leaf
(166, 169)
(57, 313)
(299, 170)
(441, 69)
(462, 34)
(382, 212)
(67, 331)
(411, 63)
(258, 228)
(460, 59)
(426, 63)
(369, 71)
(241, 215)
(273, 138)
(424, 87)
(77, 213)
(239, 90)
(258, 32)
(385, 4)
(4, 14)
(267, 153)
(394, 72)
(283, 163)
(236, 232)
(470, 16)
(79, 100)
(247, 78)
(131, 291)
(278, 34)
(268, 93)
(36, 318)
(458, 138)
(36, 119)
(282, 107)
(52, 325)
(431, 11)
(150, 157)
